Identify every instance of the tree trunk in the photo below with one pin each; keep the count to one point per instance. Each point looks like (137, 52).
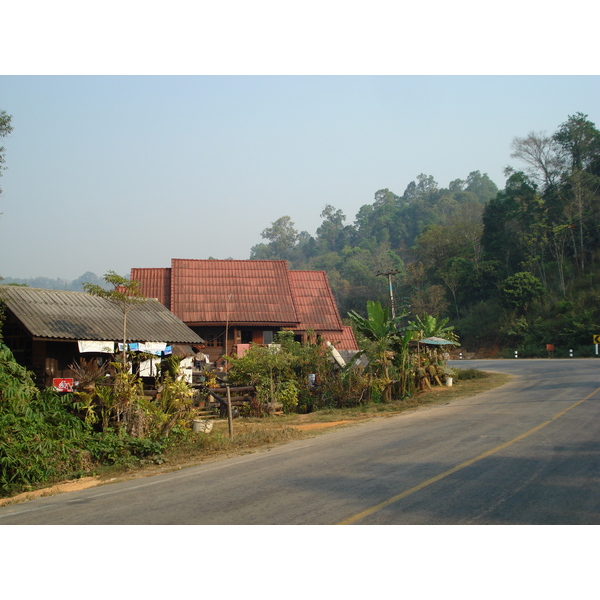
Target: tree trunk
(124, 355)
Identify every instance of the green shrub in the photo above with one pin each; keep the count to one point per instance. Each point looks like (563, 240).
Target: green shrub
(111, 448)
(41, 443)
(281, 374)
(43, 440)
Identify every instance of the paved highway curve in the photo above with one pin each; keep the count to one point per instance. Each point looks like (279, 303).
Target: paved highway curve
(525, 453)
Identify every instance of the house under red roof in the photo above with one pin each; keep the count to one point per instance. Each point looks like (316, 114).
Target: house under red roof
(250, 299)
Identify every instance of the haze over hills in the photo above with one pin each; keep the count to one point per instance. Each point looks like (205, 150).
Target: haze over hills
(47, 283)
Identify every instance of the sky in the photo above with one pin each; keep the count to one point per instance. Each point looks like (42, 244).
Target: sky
(120, 158)
(114, 172)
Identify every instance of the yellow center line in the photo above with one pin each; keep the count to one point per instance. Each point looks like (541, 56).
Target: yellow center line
(466, 463)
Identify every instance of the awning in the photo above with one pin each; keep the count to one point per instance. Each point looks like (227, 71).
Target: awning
(436, 341)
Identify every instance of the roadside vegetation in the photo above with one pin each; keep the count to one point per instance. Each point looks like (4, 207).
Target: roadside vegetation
(48, 439)
(109, 427)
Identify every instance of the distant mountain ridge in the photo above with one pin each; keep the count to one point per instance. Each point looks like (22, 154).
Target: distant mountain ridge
(46, 283)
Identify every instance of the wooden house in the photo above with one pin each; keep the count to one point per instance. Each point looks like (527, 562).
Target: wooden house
(47, 330)
(234, 303)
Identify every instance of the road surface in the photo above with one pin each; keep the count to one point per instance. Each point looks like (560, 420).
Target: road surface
(525, 453)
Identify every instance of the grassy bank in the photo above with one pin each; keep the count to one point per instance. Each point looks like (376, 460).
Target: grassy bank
(253, 434)
(250, 435)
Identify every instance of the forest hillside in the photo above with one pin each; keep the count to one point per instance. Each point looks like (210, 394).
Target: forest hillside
(514, 269)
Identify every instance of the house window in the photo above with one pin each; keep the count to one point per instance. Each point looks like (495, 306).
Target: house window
(211, 340)
(267, 337)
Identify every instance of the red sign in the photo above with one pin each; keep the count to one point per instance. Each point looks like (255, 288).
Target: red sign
(63, 385)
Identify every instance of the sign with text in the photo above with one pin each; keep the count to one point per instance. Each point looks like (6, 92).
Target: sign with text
(63, 385)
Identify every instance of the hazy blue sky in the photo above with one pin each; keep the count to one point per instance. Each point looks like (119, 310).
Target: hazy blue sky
(260, 110)
(114, 172)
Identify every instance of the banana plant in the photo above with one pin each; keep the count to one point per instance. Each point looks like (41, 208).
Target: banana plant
(429, 326)
(402, 361)
(382, 331)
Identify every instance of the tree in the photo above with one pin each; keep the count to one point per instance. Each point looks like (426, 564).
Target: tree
(431, 299)
(384, 197)
(508, 218)
(282, 237)
(329, 232)
(125, 294)
(541, 153)
(481, 185)
(427, 187)
(5, 129)
(88, 277)
(580, 142)
(453, 273)
(520, 290)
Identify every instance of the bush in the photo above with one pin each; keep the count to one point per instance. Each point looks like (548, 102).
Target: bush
(43, 440)
(281, 373)
(111, 448)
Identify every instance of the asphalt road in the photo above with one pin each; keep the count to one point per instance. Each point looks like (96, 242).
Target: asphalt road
(525, 453)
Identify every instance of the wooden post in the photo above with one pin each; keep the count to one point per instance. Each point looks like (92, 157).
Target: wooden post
(229, 415)
(226, 364)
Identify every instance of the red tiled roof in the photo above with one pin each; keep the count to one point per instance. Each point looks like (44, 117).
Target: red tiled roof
(342, 340)
(314, 301)
(263, 292)
(259, 292)
(154, 283)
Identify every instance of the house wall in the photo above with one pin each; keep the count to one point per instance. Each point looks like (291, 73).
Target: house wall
(17, 338)
(45, 359)
(214, 338)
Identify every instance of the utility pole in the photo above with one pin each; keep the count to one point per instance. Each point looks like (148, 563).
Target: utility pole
(227, 329)
(389, 276)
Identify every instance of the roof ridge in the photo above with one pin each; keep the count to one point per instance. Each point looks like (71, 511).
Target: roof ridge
(217, 260)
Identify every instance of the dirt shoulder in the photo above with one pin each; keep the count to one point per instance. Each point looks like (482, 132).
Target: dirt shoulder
(258, 434)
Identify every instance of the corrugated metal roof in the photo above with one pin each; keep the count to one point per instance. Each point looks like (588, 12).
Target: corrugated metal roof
(258, 290)
(156, 283)
(56, 314)
(314, 301)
